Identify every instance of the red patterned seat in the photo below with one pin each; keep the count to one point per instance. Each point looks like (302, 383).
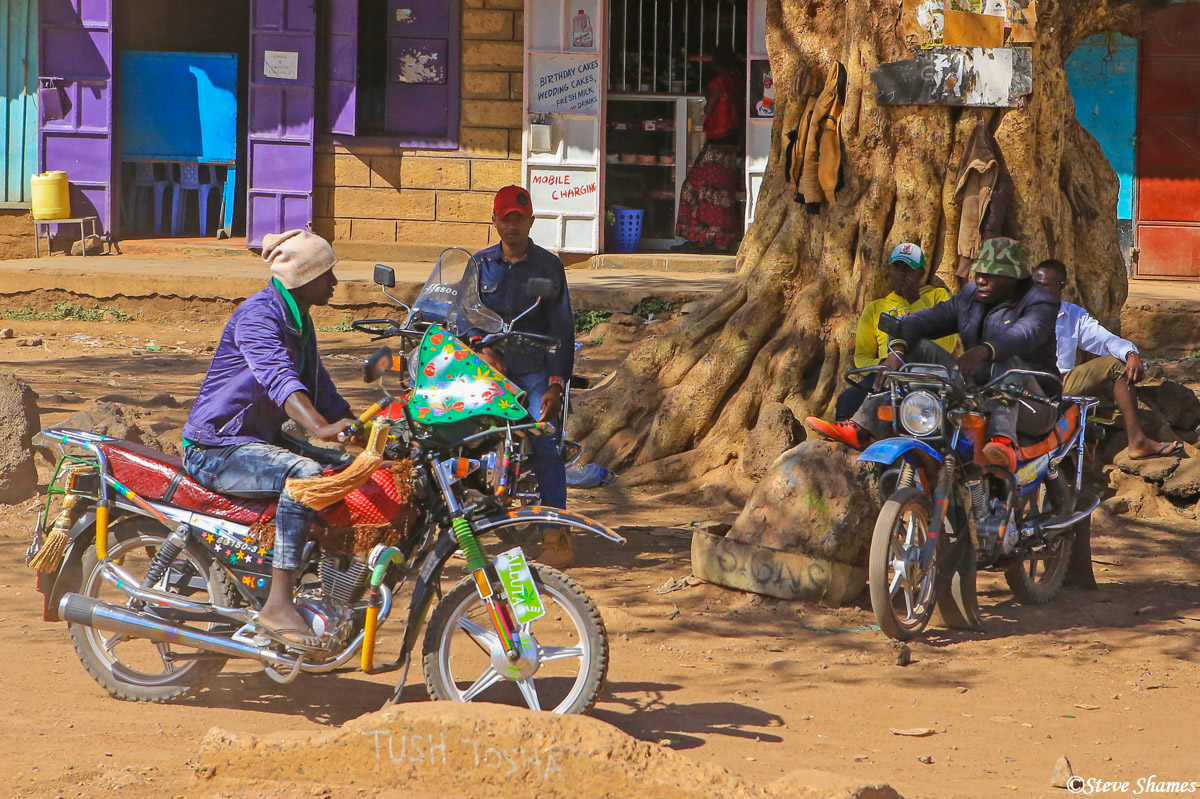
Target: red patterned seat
(150, 474)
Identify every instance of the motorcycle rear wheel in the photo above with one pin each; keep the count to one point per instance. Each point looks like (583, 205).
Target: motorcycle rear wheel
(1037, 578)
(124, 666)
(903, 595)
(461, 650)
(1029, 585)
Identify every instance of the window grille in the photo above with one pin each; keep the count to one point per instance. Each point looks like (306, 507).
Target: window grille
(653, 42)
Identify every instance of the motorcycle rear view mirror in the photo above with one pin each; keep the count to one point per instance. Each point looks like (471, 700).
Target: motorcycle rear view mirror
(539, 288)
(379, 364)
(385, 276)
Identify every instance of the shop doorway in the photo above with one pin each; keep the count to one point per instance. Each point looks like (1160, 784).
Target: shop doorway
(180, 115)
(663, 56)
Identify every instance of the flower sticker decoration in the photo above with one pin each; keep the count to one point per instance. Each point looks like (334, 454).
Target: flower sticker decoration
(454, 383)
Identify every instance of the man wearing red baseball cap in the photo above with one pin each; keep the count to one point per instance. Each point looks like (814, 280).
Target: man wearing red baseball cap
(505, 270)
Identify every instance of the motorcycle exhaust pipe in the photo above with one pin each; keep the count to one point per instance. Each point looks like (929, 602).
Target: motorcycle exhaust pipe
(91, 612)
(1066, 522)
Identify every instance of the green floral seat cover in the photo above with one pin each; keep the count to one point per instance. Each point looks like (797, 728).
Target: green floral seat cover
(453, 383)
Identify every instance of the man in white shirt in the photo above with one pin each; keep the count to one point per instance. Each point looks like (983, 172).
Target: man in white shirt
(1117, 369)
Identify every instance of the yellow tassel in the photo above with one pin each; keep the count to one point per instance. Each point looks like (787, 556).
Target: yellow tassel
(50, 557)
(319, 493)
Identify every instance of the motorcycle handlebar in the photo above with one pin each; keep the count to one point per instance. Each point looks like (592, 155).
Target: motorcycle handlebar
(550, 344)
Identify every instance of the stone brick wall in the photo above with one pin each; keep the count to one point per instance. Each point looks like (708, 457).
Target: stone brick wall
(383, 194)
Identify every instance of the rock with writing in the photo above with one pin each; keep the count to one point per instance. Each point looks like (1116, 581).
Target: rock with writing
(19, 422)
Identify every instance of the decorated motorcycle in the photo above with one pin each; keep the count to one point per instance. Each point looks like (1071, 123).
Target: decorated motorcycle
(950, 512)
(160, 580)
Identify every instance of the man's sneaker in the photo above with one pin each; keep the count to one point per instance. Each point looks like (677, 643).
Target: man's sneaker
(1000, 452)
(848, 433)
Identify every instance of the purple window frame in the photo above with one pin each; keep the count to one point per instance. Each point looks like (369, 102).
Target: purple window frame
(453, 105)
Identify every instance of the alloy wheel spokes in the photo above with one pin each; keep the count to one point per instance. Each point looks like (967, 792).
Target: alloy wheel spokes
(484, 638)
(485, 681)
(550, 653)
(529, 691)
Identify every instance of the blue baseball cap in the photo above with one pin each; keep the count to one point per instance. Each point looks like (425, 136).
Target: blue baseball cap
(909, 254)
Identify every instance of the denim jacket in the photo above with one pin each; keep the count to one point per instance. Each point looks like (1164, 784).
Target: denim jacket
(502, 289)
(264, 356)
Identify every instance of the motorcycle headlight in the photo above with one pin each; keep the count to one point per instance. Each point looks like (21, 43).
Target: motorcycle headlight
(921, 413)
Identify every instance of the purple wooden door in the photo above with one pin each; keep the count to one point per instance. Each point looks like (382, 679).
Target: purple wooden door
(343, 65)
(75, 100)
(423, 45)
(283, 43)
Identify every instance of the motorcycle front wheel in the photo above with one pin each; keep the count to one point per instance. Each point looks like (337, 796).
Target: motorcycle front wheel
(138, 669)
(902, 593)
(564, 654)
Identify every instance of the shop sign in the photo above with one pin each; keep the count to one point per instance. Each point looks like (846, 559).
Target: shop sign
(281, 64)
(564, 84)
(563, 191)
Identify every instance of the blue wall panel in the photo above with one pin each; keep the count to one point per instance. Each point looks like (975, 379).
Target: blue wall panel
(1102, 73)
(18, 107)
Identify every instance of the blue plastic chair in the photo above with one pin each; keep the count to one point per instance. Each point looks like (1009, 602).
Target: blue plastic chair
(147, 185)
(188, 179)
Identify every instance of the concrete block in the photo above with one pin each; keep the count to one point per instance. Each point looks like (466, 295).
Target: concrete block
(341, 229)
(435, 173)
(385, 171)
(481, 24)
(350, 170)
(493, 175)
(323, 169)
(322, 201)
(373, 230)
(324, 227)
(513, 4)
(356, 203)
(464, 206)
(492, 113)
(493, 55)
(493, 85)
(446, 234)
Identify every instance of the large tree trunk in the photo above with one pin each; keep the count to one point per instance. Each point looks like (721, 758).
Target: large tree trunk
(682, 405)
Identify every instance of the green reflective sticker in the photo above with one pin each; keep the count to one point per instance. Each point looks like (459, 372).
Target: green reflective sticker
(518, 583)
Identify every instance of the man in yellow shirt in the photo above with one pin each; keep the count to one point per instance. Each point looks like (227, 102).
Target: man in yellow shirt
(906, 269)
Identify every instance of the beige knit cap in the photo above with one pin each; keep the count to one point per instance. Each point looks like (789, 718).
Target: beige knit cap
(297, 257)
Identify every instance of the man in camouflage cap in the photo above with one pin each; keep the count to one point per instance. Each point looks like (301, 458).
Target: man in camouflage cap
(1001, 256)
(1005, 321)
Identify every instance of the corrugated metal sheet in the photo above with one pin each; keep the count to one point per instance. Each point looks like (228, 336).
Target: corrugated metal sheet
(18, 90)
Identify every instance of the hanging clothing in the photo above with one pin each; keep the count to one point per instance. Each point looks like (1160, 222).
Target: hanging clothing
(985, 191)
(813, 155)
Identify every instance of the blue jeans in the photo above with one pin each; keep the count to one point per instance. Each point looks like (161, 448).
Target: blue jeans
(259, 471)
(544, 457)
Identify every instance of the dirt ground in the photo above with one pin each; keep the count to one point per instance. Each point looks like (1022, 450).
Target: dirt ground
(759, 686)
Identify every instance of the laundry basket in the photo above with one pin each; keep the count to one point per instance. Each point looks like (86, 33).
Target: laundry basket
(628, 229)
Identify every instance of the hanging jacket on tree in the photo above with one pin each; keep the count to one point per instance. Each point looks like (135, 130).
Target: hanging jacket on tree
(814, 157)
(985, 191)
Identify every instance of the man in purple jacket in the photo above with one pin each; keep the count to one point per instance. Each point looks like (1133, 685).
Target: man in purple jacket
(265, 371)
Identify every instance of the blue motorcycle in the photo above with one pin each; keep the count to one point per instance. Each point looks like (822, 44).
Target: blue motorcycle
(950, 512)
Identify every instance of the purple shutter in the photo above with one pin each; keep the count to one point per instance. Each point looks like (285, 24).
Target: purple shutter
(75, 133)
(283, 43)
(342, 87)
(423, 69)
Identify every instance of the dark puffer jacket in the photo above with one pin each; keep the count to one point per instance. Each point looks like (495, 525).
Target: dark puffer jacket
(1021, 327)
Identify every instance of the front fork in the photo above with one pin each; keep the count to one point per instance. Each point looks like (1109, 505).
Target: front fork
(487, 584)
(943, 495)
